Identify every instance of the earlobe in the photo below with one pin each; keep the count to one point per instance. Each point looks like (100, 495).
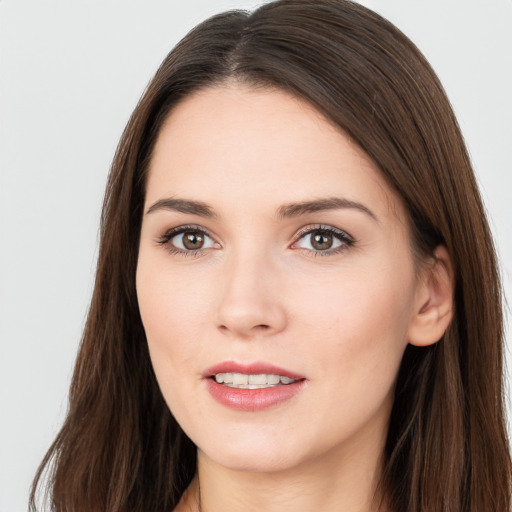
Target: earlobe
(433, 309)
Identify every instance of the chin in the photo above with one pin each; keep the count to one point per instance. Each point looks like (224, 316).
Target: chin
(251, 460)
(260, 453)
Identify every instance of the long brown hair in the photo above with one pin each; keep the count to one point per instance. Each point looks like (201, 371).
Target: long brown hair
(120, 448)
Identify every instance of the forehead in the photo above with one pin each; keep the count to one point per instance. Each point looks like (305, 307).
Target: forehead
(242, 146)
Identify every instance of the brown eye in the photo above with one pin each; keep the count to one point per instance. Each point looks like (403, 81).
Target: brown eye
(328, 240)
(321, 241)
(193, 240)
(185, 240)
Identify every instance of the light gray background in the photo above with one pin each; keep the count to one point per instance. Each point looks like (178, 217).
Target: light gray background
(70, 74)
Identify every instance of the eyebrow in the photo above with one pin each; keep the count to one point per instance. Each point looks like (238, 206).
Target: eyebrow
(330, 203)
(286, 211)
(183, 206)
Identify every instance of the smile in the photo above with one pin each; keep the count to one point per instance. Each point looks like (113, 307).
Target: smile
(252, 386)
(253, 381)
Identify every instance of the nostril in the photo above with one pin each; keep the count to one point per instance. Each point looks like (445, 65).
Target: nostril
(254, 328)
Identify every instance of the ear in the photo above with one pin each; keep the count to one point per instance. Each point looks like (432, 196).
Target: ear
(433, 308)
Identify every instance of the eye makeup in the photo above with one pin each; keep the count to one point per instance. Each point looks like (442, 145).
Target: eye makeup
(318, 240)
(324, 240)
(188, 240)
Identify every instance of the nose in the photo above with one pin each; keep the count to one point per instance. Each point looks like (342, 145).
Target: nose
(251, 303)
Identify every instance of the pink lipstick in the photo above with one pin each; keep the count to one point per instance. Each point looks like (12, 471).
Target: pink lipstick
(251, 387)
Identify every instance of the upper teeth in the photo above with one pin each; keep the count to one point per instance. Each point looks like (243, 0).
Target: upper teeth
(242, 380)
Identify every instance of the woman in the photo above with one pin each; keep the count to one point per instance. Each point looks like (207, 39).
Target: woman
(297, 302)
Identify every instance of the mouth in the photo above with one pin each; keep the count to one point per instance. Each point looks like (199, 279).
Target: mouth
(252, 387)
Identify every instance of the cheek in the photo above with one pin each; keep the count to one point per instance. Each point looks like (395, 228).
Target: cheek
(169, 308)
(359, 322)
(170, 300)
(353, 337)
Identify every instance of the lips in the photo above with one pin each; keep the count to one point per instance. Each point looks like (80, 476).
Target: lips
(252, 387)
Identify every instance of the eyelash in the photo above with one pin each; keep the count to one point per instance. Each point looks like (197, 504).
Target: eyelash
(345, 239)
(165, 239)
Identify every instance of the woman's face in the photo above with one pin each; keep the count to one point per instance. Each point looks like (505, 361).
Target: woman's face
(275, 259)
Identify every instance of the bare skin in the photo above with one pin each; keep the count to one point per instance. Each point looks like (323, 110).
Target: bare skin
(270, 236)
